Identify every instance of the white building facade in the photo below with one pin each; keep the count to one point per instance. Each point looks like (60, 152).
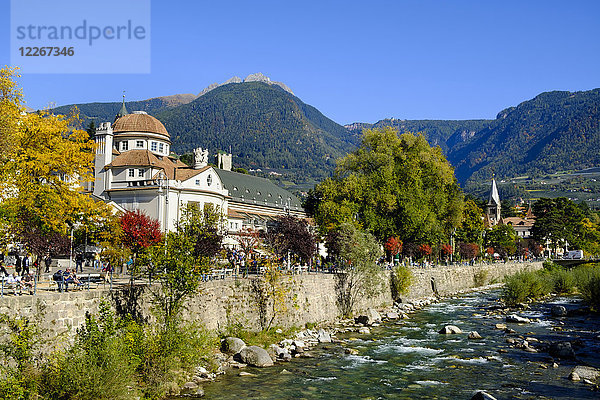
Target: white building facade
(135, 169)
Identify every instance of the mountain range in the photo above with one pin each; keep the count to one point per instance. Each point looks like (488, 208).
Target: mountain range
(268, 128)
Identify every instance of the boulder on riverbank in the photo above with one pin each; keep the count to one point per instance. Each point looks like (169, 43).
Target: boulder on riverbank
(232, 345)
(583, 372)
(255, 356)
(450, 330)
(369, 318)
(323, 336)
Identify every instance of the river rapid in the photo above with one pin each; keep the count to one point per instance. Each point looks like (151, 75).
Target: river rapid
(409, 359)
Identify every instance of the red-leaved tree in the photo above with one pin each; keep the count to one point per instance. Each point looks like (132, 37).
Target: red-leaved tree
(446, 250)
(424, 250)
(468, 250)
(393, 245)
(139, 231)
(248, 239)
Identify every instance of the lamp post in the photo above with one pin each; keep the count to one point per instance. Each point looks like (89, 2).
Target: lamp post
(163, 182)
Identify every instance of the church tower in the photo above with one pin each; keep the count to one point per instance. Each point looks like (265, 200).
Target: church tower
(493, 206)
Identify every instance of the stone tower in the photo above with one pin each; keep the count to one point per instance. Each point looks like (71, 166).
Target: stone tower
(224, 161)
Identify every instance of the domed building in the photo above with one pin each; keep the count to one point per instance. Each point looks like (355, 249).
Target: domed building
(135, 169)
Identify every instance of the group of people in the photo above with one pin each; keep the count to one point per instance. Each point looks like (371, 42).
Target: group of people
(15, 281)
(63, 279)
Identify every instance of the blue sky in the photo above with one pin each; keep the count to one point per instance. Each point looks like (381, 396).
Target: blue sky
(355, 61)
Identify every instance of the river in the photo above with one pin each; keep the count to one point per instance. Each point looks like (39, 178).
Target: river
(408, 359)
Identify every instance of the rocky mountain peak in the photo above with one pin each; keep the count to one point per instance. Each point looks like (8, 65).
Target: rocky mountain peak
(256, 77)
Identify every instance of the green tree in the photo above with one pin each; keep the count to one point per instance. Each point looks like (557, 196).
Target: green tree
(356, 253)
(471, 227)
(502, 239)
(187, 255)
(558, 221)
(391, 186)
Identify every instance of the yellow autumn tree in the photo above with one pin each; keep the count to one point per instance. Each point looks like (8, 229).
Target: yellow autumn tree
(45, 161)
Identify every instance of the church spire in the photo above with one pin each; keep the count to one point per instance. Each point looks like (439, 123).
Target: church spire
(123, 110)
(494, 198)
(493, 206)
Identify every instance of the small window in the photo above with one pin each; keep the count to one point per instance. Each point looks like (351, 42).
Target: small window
(124, 146)
(198, 182)
(131, 172)
(153, 146)
(141, 172)
(161, 147)
(139, 144)
(209, 180)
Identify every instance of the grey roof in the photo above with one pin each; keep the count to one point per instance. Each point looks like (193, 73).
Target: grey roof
(257, 191)
(123, 111)
(494, 198)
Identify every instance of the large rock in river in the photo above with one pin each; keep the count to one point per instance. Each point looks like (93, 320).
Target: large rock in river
(232, 345)
(561, 350)
(558, 311)
(517, 319)
(481, 395)
(450, 330)
(255, 356)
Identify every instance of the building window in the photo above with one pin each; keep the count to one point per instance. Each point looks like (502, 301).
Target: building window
(153, 146)
(209, 180)
(141, 172)
(198, 182)
(131, 172)
(139, 144)
(124, 145)
(161, 147)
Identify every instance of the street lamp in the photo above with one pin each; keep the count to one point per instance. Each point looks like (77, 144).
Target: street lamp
(163, 182)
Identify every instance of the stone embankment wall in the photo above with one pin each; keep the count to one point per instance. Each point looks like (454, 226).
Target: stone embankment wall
(311, 298)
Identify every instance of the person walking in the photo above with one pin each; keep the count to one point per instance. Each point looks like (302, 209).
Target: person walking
(47, 262)
(17, 264)
(79, 262)
(25, 265)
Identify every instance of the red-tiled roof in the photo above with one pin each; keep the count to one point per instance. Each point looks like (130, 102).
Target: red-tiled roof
(139, 123)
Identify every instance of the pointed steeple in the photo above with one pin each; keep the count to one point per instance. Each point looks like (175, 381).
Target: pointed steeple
(123, 110)
(494, 198)
(493, 206)
(529, 214)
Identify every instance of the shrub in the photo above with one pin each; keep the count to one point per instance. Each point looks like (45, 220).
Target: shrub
(563, 281)
(481, 277)
(588, 282)
(402, 278)
(96, 366)
(524, 286)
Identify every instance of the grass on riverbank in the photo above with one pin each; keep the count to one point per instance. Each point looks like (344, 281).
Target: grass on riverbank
(262, 338)
(533, 285)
